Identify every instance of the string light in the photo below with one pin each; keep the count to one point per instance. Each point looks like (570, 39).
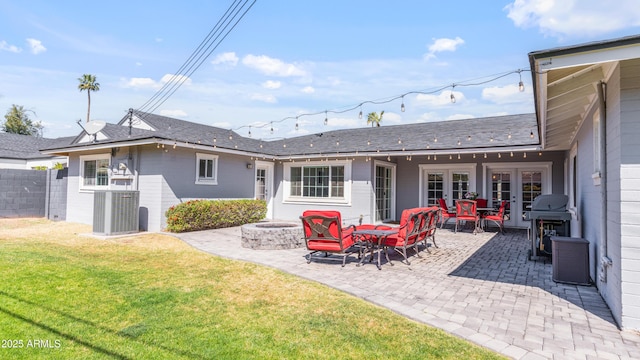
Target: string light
(468, 137)
(175, 144)
(524, 155)
(466, 83)
(435, 139)
(326, 118)
(459, 142)
(453, 98)
(509, 135)
(249, 130)
(531, 134)
(297, 123)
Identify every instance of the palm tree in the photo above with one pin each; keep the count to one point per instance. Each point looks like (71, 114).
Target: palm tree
(88, 82)
(374, 118)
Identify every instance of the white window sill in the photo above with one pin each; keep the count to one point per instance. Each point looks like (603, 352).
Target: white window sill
(207, 182)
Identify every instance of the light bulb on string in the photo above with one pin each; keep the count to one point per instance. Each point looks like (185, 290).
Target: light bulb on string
(297, 126)
(249, 130)
(360, 113)
(531, 134)
(520, 84)
(453, 98)
(468, 137)
(326, 118)
(402, 105)
(271, 130)
(459, 142)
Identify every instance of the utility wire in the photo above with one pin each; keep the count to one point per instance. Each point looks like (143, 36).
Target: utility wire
(221, 30)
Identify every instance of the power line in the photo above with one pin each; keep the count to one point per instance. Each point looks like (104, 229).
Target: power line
(235, 12)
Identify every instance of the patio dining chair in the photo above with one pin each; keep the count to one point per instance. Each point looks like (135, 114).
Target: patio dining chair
(323, 232)
(466, 210)
(497, 217)
(429, 226)
(408, 235)
(445, 213)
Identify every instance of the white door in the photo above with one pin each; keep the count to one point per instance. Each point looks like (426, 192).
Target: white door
(502, 186)
(264, 185)
(384, 191)
(519, 183)
(448, 182)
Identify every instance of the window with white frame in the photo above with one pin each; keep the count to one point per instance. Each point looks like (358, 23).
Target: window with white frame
(206, 169)
(319, 181)
(94, 171)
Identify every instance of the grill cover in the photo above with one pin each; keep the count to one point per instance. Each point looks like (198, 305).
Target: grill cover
(550, 202)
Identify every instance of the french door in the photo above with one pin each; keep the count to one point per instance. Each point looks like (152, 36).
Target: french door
(450, 182)
(384, 191)
(264, 185)
(519, 184)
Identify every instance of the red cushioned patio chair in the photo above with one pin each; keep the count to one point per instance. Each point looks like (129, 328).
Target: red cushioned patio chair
(445, 214)
(466, 210)
(497, 217)
(429, 226)
(323, 232)
(408, 235)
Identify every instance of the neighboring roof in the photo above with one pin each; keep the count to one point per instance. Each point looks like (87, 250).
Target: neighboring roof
(26, 147)
(567, 83)
(478, 133)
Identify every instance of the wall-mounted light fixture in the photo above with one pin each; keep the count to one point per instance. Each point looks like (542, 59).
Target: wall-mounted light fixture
(249, 166)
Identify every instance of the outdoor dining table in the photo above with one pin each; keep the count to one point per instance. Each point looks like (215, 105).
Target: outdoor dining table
(373, 240)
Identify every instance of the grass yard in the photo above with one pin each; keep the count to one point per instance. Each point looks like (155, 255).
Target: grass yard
(67, 296)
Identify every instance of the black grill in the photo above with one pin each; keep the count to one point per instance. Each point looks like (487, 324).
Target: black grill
(549, 217)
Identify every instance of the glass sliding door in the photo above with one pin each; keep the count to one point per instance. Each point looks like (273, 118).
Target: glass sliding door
(384, 192)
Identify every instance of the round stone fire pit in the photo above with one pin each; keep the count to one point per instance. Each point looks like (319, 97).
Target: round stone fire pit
(272, 236)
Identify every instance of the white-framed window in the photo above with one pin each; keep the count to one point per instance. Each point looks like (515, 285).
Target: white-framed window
(206, 169)
(94, 171)
(321, 181)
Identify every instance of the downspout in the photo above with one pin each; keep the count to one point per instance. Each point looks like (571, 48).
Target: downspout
(605, 261)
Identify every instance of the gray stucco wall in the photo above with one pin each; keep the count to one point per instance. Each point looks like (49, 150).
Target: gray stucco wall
(361, 197)
(22, 193)
(164, 177)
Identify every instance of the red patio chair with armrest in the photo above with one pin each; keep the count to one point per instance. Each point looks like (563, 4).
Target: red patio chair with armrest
(323, 232)
(497, 217)
(466, 210)
(445, 214)
(408, 235)
(430, 225)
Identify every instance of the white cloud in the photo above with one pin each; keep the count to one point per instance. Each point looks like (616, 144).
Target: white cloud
(264, 98)
(159, 40)
(308, 90)
(228, 58)
(443, 44)
(429, 116)
(36, 46)
(271, 84)
(346, 122)
(442, 99)
(184, 80)
(504, 94)
(561, 18)
(140, 83)
(10, 48)
(174, 113)
(138, 63)
(149, 83)
(271, 66)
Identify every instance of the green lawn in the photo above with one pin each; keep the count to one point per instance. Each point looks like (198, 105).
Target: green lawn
(65, 296)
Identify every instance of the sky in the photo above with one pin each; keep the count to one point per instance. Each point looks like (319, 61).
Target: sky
(288, 62)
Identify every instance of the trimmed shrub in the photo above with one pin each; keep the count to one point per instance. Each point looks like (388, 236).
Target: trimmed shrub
(197, 215)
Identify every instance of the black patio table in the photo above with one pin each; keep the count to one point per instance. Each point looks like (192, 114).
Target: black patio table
(373, 240)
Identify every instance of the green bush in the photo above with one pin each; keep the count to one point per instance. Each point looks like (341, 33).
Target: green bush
(197, 215)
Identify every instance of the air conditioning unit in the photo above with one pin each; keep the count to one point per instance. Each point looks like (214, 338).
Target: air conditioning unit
(115, 212)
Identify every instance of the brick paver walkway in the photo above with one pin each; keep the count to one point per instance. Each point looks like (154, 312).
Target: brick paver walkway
(481, 288)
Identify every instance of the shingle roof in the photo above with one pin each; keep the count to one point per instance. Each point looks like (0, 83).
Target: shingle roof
(15, 146)
(476, 133)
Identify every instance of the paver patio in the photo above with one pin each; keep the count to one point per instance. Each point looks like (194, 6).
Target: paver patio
(481, 288)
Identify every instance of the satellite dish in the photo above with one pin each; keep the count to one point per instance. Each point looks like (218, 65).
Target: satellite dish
(92, 127)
